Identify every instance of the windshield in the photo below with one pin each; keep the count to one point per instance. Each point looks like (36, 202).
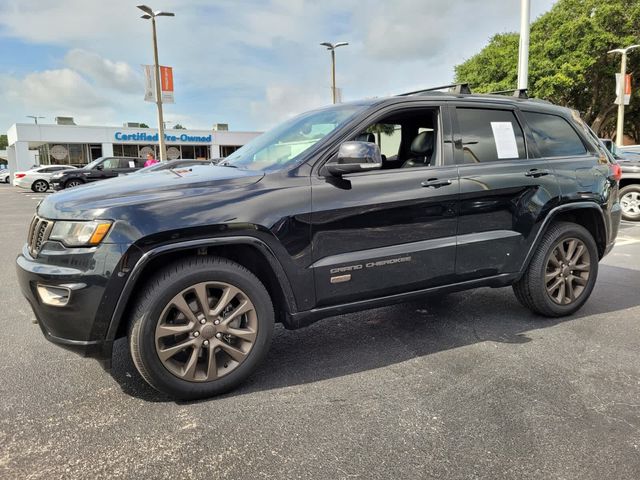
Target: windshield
(91, 165)
(283, 144)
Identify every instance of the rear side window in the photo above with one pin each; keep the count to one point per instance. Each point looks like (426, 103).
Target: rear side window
(554, 136)
(490, 135)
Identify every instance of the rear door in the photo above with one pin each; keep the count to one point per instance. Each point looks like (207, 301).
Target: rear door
(505, 189)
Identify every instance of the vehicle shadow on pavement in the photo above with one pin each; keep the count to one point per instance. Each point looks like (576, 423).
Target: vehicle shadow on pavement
(373, 339)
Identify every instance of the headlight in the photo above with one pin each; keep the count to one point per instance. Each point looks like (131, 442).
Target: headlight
(80, 234)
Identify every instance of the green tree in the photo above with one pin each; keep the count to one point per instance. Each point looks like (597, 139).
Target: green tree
(381, 128)
(4, 143)
(144, 125)
(177, 126)
(568, 60)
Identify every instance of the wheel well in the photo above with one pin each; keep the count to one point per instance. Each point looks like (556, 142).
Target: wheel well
(629, 181)
(590, 219)
(246, 255)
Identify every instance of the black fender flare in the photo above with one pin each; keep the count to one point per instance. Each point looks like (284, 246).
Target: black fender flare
(553, 213)
(134, 276)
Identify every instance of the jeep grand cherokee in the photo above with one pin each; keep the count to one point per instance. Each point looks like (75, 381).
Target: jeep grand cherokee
(340, 209)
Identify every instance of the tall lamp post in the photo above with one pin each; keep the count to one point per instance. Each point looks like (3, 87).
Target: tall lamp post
(35, 118)
(332, 48)
(523, 50)
(150, 14)
(621, 88)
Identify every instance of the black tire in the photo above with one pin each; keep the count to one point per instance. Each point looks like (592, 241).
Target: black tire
(40, 186)
(74, 182)
(632, 191)
(159, 291)
(531, 289)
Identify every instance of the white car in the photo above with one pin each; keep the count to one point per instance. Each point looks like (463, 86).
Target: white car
(4, 176)
(37, 179)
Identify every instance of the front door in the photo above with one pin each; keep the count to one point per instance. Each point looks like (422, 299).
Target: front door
(391, 230)
(504, 190)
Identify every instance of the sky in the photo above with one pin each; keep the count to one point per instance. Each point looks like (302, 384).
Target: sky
(247, 63)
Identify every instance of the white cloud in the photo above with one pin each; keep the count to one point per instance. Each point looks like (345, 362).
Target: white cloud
(250, 62)
(104, 72)
(284, 101)
(63, 89)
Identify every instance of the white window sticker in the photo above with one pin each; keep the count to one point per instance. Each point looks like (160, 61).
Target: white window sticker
(505, 139)
(132, 164)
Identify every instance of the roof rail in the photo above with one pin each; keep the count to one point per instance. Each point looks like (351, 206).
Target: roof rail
(518, 92)
(458, 88)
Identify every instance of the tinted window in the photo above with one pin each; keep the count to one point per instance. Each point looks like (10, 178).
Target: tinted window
(490, 135)
(111, 163)
(131, 163)
(553, 135)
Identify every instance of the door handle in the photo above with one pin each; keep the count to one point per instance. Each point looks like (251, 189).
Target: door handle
(535, 173)
(434, 182)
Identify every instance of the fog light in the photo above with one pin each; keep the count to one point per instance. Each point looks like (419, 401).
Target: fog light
(54, 296)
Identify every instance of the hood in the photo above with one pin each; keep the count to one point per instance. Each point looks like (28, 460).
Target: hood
(110, 198)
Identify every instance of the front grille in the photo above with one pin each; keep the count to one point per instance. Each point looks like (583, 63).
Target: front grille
(39, 231)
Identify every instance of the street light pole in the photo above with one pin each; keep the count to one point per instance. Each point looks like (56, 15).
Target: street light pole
(150, 14)
(35, 118)
(523, 51)
(621, 89)
(332, 47)
(156, 68)
(333, 75)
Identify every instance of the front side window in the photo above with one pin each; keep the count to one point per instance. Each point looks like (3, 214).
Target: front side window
(489, 135)
(553, 135)
(408, 138)
(283, 145)
(111, 163)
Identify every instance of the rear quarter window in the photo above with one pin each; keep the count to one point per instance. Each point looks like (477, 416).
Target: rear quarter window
(554, 136)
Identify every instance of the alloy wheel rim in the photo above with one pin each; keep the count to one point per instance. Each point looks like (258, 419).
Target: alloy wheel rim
(568, 270)
(206, 331)
(40, 187)
(630, 203)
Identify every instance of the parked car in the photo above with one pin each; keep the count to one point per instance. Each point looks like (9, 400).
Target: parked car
(38, 179)
(320, 217)
(5, 177)
(172, 164)
(100, 169)
(629, 161)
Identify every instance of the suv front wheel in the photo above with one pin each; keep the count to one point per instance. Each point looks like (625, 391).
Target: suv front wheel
(562, 272)
(200, 327)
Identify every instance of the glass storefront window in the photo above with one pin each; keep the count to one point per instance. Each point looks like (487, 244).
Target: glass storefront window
(130, 151)
(76, 154)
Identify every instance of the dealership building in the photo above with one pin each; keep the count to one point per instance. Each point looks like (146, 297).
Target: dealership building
(65, 143)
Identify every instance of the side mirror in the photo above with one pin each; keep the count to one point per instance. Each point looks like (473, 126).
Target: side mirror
(354, 157)
(100, 167)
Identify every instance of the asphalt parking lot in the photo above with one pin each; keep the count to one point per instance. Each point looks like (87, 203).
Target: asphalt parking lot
(468, 386)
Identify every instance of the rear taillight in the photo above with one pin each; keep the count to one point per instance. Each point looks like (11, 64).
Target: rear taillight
(615, 171)
(19, 175)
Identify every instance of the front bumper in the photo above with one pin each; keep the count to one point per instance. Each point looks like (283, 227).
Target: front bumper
(82, 323)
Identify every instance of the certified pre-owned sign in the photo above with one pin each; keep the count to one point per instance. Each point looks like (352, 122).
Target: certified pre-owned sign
(153, 137)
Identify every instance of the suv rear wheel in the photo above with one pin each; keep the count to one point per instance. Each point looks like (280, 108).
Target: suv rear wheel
(200, 327)
(562, 272)
(630, 202)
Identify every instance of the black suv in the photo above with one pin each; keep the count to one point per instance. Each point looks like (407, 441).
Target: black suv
(100, 169)
(340, 209)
